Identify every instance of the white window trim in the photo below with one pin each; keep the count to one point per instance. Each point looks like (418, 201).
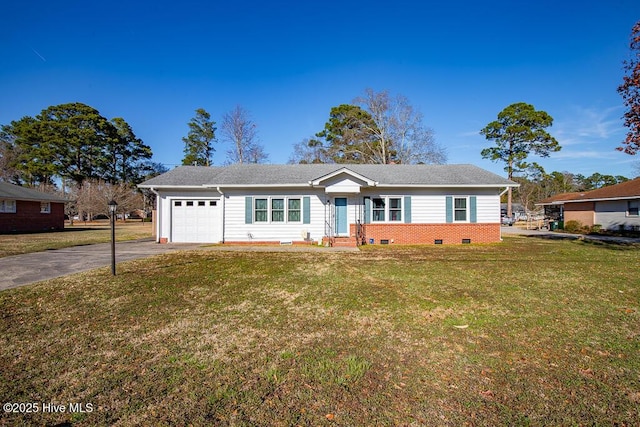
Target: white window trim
(467, 210)
(8, 206)
(387, 210)
(270, 209)
(45, 207)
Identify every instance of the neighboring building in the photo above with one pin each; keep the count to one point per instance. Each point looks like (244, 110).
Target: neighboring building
(328, 204)
(24, 210)
(614, 207)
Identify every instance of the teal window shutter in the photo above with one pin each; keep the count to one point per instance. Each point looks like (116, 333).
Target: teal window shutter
(306, 210)
(407, 209)
(473, 209)
(449, 205)
(248, 210)
(367, 210)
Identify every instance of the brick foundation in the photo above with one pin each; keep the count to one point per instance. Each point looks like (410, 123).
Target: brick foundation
(407, 234)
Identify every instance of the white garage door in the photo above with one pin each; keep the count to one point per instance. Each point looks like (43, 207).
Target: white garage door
(195, 221)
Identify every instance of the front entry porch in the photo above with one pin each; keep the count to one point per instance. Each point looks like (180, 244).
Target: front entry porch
(343, 225)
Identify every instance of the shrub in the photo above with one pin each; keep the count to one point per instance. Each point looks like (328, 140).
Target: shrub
(573, 226)
(595, 228)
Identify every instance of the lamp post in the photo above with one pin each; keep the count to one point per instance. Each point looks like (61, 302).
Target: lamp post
(112, 210)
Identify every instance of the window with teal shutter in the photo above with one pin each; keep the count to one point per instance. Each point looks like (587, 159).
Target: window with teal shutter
(306, 210)
(449, 209)
(367, 210)
(248, 210)
(473, 209)
(407, 209)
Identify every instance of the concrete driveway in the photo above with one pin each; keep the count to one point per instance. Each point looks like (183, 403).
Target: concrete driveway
(18, 270)
(561, 235)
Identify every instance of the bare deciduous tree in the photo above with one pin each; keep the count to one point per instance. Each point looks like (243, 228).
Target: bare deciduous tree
(94, 195)
(399, 135)
(238, 129)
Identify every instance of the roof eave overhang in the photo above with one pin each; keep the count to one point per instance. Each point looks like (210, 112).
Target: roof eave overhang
(449, 185)
(603, 199)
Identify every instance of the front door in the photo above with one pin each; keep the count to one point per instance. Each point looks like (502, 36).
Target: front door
(341, 216)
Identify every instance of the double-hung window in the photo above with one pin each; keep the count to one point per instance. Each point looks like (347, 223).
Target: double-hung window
(277, 209)
(7, 206)
(45, 207)
(293, 210)
(386, 209)
(379, 208)
(633, 207)
(460, 209)
(261, 210)
(395, 209)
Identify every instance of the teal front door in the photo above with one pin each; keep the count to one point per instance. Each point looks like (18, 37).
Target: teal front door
(341, 215)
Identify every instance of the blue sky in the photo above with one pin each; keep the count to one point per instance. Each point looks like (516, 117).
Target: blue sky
(287, 63)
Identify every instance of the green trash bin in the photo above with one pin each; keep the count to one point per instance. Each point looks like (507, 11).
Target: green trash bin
(553, 225)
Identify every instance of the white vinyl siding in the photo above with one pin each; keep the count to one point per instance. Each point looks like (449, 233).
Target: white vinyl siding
(291, 229)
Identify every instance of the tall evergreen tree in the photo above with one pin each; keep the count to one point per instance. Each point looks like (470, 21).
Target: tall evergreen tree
(74, 142)
(198, 148)
(129, 155)
(519, 131)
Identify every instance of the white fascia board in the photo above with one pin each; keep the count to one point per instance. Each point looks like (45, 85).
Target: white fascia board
(171, 187)
(447, 185)
(257, 186)
(607, 199)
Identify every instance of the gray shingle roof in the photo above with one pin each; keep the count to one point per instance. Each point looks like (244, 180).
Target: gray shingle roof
(301, 174)
(16, 192)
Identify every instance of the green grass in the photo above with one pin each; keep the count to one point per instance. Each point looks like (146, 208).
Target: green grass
(72, 235)
(527, 332)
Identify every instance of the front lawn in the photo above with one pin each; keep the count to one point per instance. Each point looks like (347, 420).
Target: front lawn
(527, 332)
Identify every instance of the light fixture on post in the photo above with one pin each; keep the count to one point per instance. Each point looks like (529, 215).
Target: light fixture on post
(113, 206)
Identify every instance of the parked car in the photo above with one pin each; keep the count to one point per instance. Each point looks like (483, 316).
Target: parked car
(506, 220)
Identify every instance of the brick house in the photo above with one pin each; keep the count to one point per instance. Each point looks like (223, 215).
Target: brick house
(26, 210)
(614, 207)
(328, 204)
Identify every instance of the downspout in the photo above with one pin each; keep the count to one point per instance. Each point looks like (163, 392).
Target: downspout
(500, 216)
(158, 214)
(219, 190)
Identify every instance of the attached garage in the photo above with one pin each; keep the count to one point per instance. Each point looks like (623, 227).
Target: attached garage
(194, 220)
